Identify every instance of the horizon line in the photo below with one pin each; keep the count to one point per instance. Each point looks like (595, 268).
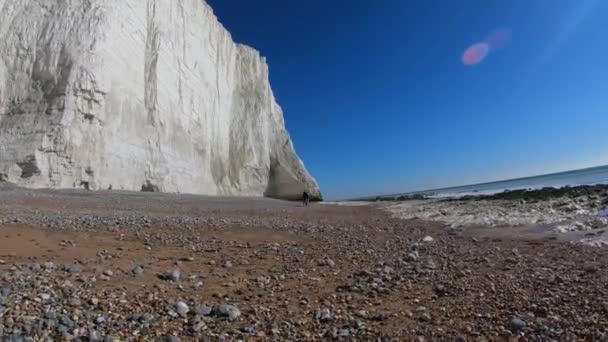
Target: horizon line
(476, 184)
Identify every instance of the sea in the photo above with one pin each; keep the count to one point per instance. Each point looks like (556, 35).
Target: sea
(589, 176)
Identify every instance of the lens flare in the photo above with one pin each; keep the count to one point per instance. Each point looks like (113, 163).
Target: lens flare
(475, 54)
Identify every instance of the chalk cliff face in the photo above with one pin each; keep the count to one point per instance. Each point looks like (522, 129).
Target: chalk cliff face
(138, 94)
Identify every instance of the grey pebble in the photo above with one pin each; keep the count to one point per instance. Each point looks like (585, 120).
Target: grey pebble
(182, 308)
(517, 324)
(137, 270)
(324, 315)
(229, 311)
(71, 268)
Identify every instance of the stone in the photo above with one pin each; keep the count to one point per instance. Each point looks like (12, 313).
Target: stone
(106, 99)
(327, 262)
(181, 308)
(324, 315)
(428, 239)
(137, 270)
(228, 311)
(71, 268)
(413, 256)
(172, 275)
(94, 336)
(517, 324)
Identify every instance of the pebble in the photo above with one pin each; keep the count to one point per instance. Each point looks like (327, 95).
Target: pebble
(229, 311)
(71, 268)
(173, 275)
(428, 239)
(517, 324)
(327, 262)
(413, 256)
(137, 270)
(324, 315)
(94, 336)
(182, 308)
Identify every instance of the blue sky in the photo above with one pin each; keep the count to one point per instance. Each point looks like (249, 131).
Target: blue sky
(377, 99)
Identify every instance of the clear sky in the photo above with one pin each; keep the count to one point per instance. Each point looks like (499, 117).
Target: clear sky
(378, 99)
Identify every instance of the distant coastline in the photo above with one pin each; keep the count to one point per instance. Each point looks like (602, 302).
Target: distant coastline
(587, 176)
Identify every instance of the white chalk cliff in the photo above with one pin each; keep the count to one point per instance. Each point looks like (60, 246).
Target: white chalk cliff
(138, 94)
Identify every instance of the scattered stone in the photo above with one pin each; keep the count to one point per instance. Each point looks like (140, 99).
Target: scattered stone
(137, 270)
(172, 275)
(324, 315)
(517, 324)
(71, 268)
(228, 311)
(327, 262)
(428, 239)
(181, 308)
(441, 290)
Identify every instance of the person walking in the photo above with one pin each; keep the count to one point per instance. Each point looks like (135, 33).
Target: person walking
(305, 198)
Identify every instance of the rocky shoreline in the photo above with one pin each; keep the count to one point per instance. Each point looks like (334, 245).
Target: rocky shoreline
(86, 266)
(568, 210)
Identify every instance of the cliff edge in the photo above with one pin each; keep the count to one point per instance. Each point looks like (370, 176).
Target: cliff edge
(149, 95)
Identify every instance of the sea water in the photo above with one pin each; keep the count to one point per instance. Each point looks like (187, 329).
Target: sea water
(590, 176)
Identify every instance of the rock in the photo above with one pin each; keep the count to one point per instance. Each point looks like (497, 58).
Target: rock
(425, 317)
(440, 290)
(71, 268)
(108, 273)
(326, 262)
(412, 256)
(211, 109)
(428, 239)
(137, 270)
(172, 275)
(227, 264)
(181, 308)
(229, 311)
(324, 315)
(248, 329)
(517, 324)
(94, 336)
